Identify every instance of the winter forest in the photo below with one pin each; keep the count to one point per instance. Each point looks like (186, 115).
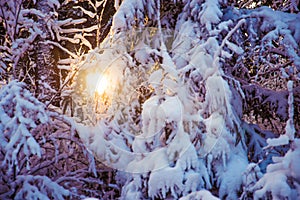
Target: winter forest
(150, 99)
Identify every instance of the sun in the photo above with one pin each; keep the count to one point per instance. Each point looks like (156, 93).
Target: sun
(102, 85)
(97, 83)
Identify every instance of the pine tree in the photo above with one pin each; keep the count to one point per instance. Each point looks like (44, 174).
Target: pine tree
(182, 99)
(192, 130)
(42, 38)
(47, 74)
(41, 154)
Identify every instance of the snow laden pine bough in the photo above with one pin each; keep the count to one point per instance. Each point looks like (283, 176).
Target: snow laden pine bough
(159, 103)
(179, 141)
(173, 127)
(174, 142)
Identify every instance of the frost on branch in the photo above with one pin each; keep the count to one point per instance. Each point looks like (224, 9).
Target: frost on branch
(164, 180)
(40, 187)
(283, 169)
(41, 154)
(21, 116)
(211, 14)
(200, 195)
(181, 102)
(185, 125)
(282, 178)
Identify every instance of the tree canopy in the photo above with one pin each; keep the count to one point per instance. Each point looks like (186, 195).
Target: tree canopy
(151, 99)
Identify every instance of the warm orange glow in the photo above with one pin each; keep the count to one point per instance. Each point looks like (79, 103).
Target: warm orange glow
(101, 88)
(96, 83)
(102, 85)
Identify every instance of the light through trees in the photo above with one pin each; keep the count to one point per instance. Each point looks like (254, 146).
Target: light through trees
(100, 87)
(97, 83)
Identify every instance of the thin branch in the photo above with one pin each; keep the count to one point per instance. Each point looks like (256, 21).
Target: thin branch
(61, 47)
(99, 23)
(17, 18)
(4, 18)
(61, 88)
(47, 164)
(218, 53)
(275, 69)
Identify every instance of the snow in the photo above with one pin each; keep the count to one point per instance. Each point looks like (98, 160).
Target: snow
(230, 178)
(193, 182)
(281, 140)
(214, 142)
(34, 146)
(211, 14)
(89, 13)
(188, 158)
(251, 175)
(284, 170)
(234, 47)
(21, 114)
(116, 4)
(39, 187)
(156, 77)
(200, 195)
(200, 60)
(128, 11)
(84, 41)
(171, 110)
(217, 95)
(160, 110)
(164, 180)
(178, 146)
(53, 4)
(182, 43)
(283, 24)
(149, 116)
(292, 158)
(147, 162)
(290, 128)
(278, 187)
(131, 192)
(187, 135)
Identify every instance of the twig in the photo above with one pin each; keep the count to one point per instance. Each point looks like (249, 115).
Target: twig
(17, 18)
(218, 53)
(275, 69)
(99, 22)
(60, 89)
(61, 47)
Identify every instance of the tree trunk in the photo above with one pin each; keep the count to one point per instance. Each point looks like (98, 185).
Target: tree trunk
(47, 74)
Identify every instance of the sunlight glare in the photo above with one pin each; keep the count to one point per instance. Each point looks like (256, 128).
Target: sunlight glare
(102, 85)
(96, 83)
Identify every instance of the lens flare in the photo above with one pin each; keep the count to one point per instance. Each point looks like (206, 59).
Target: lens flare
(96, 83)
(102, 85)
